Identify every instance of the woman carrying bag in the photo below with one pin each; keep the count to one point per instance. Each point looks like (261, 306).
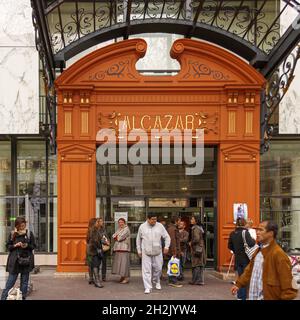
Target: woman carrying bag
(121, 259)
(20, 259)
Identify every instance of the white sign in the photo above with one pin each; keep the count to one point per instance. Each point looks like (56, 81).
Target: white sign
(119, 215)
(240, 210)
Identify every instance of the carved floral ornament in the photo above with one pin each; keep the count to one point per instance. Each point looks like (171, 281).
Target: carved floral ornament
(117, 70)
(198, 70)
(197, 120)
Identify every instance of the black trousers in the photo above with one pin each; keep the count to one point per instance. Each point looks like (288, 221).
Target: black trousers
(103, 267)
(198, 275)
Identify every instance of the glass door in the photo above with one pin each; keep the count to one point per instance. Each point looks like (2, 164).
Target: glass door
(133, 209)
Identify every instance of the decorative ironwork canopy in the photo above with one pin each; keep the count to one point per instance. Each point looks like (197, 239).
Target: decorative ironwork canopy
(251, 29)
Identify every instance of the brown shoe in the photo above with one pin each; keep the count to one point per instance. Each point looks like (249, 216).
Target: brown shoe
(125, 281)
(121, 279)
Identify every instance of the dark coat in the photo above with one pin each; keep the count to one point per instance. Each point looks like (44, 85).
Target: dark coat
(94, 240)
(197, 240)
(236, 244)
(174, 249)
(12, 265)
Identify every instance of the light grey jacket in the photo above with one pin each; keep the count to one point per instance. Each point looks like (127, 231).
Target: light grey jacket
(149, 238)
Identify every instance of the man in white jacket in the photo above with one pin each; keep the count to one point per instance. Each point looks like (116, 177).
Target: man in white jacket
(149, 248)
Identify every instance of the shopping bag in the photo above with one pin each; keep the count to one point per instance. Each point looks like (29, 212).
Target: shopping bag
(174, 267)
(14, 294)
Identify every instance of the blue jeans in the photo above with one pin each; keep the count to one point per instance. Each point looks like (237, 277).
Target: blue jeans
(242, 293)
(12, 278)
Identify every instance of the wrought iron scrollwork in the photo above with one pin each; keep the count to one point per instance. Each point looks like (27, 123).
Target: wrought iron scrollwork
(48, 128)
(277, 86)
(250, 20)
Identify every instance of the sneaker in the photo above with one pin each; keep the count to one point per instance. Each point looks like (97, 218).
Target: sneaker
(175, 285)
(147, 291)
(157, 286)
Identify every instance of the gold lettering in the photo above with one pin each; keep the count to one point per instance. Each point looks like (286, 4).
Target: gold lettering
(142, 122)
(169, 117)
(179, 125)
(127, 120)
(133, 122)
(187, 122)
(199, 122)
(157, 122)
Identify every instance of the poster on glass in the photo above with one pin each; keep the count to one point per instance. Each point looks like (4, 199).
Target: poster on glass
(240, 210)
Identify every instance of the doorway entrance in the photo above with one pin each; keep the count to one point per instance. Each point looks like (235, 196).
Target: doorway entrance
(214, 91)
(132, 191)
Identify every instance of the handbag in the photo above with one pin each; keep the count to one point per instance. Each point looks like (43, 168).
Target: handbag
(14, 294)
(198, 251)
(105, 247)
(23, 261)
(248, 250)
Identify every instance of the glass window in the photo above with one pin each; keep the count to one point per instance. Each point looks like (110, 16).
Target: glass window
(31, 168)
(152, 179)
(5, 168)
(280, 190)
(52, 167)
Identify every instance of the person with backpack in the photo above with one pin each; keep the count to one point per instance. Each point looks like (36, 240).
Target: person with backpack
(236, 245)
(20, 245)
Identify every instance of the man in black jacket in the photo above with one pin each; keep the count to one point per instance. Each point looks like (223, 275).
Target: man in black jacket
(236, 244)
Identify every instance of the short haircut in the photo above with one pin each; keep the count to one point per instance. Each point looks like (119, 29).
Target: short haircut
(151, 215)
(240, 222)
(122, 219)
(271, 226)
(198, 220)
(19, 221)
(174, 219)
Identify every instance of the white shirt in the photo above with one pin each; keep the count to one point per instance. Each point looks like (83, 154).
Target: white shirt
(148, 239)
(252, 233)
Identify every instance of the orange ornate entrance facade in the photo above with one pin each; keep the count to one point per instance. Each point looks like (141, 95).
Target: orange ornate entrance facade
(214, 90)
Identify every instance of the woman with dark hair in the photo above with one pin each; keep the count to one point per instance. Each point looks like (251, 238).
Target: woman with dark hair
(197, 251)
(121, 262)
(92, 223)
(20, 259)
(95, 252)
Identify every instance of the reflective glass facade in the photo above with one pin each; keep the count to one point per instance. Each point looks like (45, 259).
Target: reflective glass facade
(280, 190)
(27, 170)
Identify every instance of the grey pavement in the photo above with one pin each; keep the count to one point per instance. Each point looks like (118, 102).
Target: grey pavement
(47, 285)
